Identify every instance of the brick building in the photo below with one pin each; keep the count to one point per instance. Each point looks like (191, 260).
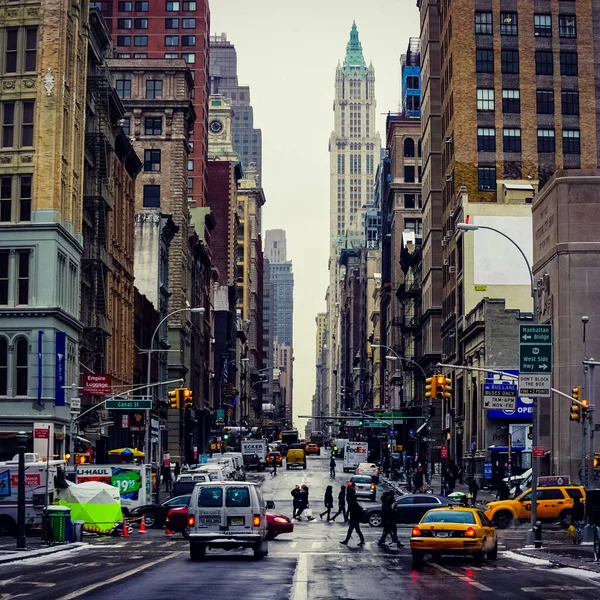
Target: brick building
(171, 31)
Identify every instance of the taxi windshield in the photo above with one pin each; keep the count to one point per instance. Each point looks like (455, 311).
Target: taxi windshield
(449, 516)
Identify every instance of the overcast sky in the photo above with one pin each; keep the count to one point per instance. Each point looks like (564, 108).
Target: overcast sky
(287, 53)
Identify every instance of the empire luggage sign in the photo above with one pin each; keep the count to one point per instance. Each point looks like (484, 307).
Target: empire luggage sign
(97, 384)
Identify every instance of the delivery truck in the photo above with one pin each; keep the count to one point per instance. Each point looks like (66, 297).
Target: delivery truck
(354, 454)
(255, 447)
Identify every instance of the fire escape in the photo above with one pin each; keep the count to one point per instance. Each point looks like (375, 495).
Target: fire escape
(97, 202)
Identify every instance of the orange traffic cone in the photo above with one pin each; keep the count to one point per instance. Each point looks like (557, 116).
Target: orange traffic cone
(125, 528)
(168, 532)
(143, 525)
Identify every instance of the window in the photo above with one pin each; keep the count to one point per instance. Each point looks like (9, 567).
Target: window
(154, 88)
(140, 23)
(190, 165)
(171, 40)
(124, 23)
(153, 125)
(542, 25)
(567, 27)
(511, 101)
(190, 183)
(123, 55)
(409, 147)
(545, 140)
(123, 40)
(30, 49)
(485, 99)
(124, 88)
(8, 124)
(484, 61)
(543, 62)
(188, 40)
(125, 6)
(483, 22)
(171, 55)
(188, 23)
(142, 6)
(3, 366)
(409, 201)
(152, 196)
(21, 363)
(172, 6)
(189, 6)
(25, 198)
(23, 277)
(5, 198)
(126, 127)
(571, 141)
(140, 40)
(486, 179)
(12, 45)
(171, 23)
(545, 102)
(409, 174)
(27, 124)
(510, 61)
(151, 160)
(509, 23)
(512, 140)
(486, 139)
(568, 63)
(140, 55)
(189, 58)
(570, 103)
(4, 283)
(210, 497)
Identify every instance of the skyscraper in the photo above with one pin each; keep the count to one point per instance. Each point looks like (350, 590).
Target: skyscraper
(275, 245)
(247, 141)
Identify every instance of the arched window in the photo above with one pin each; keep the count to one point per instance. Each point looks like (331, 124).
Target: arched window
(22, 367)
(409, 147)
(419, 148)
(3, 366)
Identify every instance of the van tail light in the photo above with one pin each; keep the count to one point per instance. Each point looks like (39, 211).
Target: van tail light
(256, 521)
(350, 484)
(416, 532)
(372, 486)
(191, 521)
(470, 533)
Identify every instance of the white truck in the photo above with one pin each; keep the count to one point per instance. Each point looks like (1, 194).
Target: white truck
(36, 473)
(354, 454)
(255, 447)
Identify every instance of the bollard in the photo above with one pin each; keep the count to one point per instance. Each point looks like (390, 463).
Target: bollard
(537, 534)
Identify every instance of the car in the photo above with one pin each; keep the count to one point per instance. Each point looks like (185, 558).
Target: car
(283, 448)
(227, 515)
(313, 449)
(363, 486)
(453, 530)
(252, 462)
(184, 484)
(295, 457)
(278, 524)
(177, 520)
(553, 503)
(409, 508)
(274, 457)
(156, 514)
(368, 469)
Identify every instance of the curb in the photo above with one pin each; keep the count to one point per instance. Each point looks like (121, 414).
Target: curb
(24, 555)
(558, 560)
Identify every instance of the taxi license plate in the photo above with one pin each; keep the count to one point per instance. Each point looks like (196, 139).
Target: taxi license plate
(207, 520)
(236, 521)
(442, 534)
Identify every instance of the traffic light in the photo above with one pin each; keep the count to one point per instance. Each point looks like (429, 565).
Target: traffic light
(429, 387)
(360, 423)
(447, 387)
(576, 412)
(226, 433)
(584, 408)
(188, 400)
(174, 398)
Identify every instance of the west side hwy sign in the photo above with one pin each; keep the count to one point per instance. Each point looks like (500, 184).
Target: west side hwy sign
(535, 358)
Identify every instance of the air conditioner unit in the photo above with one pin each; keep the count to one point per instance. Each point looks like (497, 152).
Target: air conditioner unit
(448, 177)
(452, 213)
(449, 139)
(446, 262)
(452, 269)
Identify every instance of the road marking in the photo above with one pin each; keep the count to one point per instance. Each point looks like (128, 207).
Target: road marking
(317, 545)
(116, 578)
(466, 579)
(557, 588)
(293, 544)
(300, 585)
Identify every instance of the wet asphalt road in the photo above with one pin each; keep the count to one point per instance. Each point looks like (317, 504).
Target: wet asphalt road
(308, 564)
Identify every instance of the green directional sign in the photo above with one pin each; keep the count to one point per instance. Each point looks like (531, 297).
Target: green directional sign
(535, 334)
(375, 424)
(535, 349)
(128, 404)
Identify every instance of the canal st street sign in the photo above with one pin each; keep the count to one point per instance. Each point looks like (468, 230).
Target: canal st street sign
(499, 396)
(128, 404)
(535, 360)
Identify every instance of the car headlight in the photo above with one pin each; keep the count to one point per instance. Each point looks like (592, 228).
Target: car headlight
(281, 520)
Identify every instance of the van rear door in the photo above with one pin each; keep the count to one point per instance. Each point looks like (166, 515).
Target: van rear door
(238, 509)
(210, 514)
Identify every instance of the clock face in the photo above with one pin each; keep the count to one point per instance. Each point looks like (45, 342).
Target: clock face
(216, 126)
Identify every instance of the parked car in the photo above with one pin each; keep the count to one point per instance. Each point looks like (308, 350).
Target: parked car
(364, 486)
(313, 449)
(252, 462)
(409, 508)
(156, 514)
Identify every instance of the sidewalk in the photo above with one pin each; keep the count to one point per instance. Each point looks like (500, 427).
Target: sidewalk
(35, 548)
(565, 555)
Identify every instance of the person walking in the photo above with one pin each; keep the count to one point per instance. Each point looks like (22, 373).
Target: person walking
(341, 505)
(303, 497)
(177, 470)
(167, 478)
(356, 512)
(332, 464)
(473, 489)
(296, 492)
(274, 469)
(503, 491)
(418, 479)
(388, 514)
(328, 503)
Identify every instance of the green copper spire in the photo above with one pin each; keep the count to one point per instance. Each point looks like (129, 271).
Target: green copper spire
(354, 61)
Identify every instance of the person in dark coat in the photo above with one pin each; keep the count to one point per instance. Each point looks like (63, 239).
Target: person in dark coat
(578, 511)
(473, 488)
(303, 502)
(177, 470)
(356, 512)
(503, 491)
(350, 495)
(388, 514)
(296, 492)
(418, 480)
(328, 502)
(332, 464)
(167, 478)
(341, 505)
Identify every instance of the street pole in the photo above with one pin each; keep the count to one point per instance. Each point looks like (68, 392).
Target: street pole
(72, 429)
(590, 412)
(21, 539)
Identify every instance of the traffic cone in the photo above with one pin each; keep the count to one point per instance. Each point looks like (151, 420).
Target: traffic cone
(143, 525)
(125, 529)
(168, 532)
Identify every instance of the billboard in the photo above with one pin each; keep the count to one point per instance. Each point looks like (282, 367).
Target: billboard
(97, 384)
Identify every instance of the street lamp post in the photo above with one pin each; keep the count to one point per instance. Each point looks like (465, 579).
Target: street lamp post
(148, 393)
(534, 416)
(22, 438)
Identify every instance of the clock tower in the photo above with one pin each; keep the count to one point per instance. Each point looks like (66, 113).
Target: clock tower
(220, 124)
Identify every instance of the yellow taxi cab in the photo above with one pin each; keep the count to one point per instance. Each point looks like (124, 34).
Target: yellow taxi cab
(453, 530)
(274, 457)
(554, 502)
(313, 449)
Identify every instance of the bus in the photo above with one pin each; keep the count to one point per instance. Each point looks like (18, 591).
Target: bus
(289, 437)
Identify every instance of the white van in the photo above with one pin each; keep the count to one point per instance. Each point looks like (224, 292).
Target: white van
(227, 463)
(216, 472)
(238, 459)
(227, 515)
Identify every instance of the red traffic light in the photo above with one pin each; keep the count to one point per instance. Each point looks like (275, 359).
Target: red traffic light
(187, 393)
(441, 380)
(585, 402)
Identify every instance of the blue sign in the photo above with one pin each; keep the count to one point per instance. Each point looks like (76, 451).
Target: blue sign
(61, 376)
(487, 470)
(411, 432)
(5, 483)
(523, 407)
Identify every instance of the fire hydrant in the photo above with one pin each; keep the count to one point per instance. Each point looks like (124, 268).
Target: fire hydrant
(537, 534)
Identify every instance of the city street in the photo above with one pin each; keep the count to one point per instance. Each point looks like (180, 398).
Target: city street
(310, 563)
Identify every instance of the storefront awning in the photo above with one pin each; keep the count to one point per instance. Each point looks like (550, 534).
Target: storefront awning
(505, 448)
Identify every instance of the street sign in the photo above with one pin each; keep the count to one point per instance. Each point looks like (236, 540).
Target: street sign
(487, 470)
(444, 452)
(375, 424)
(497, 396)
(220, 415)
(353, 423)
(411, 432)
(538, 451)
(534, 385)
(229, 412)
(76, 403)
(429, 439)
(128, 404)
(535, 348)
